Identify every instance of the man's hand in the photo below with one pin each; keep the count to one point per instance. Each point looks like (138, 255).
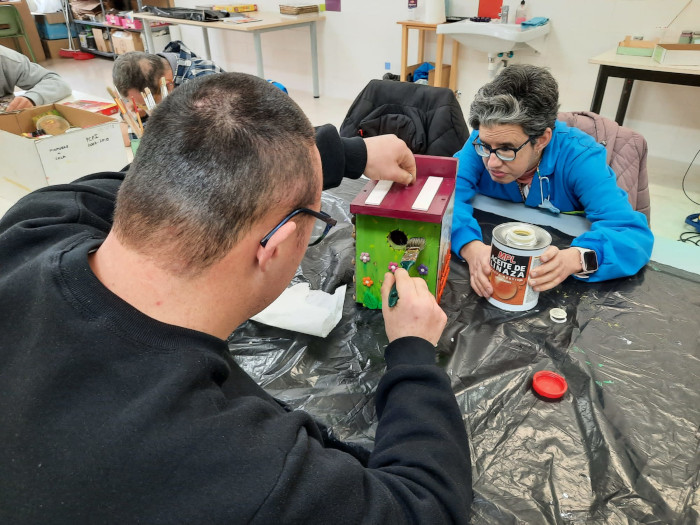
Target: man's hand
(556, 266)
(19, 103)
(478, 255)
(388, 158)
(417, 312)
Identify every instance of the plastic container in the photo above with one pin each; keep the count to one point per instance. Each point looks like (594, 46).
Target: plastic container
(91, 44)
(412, 7)
(521, 13)
(53, 124)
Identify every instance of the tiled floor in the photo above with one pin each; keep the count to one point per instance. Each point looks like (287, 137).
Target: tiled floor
(669, 205)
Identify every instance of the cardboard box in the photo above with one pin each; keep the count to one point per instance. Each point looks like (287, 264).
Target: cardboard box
(52, 26)
(125, 41)
(102, 40)
(161, 38)
(52, 48)
(677, 54)
(132, 23)
(115, 20)
(431, 74)
(29, 164)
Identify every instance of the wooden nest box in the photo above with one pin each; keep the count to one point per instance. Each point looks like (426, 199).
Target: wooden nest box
(387, 215)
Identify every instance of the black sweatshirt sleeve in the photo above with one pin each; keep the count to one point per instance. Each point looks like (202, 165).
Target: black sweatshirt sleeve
(419, 471)
(340, 156)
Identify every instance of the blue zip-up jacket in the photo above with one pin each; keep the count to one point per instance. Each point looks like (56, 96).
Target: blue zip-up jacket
(579, 181)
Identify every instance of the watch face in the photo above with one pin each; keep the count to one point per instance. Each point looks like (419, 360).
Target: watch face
(591, 260)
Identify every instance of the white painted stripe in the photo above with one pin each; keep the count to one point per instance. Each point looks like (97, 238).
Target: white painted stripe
(376, 196)
(427, 194)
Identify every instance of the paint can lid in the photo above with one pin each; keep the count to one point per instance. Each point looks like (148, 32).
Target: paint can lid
(558, 315)
(549, 384)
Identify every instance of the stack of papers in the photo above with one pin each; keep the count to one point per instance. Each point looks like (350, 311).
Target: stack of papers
(298, 8)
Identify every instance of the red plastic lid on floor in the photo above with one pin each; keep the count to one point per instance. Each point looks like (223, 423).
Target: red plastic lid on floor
(549, 384)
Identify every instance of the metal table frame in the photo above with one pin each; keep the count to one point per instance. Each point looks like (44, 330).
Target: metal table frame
(632, 68)
(267, 22)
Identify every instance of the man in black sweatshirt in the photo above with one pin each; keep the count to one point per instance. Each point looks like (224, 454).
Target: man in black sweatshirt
(120, 402)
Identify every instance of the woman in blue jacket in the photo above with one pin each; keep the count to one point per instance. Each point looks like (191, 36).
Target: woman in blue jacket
(519, 152)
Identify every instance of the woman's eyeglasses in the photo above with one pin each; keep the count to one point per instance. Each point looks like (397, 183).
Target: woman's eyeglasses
(322, 226)
(505, 154)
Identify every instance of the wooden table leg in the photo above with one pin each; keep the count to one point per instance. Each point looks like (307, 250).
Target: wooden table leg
(404, 53)
(453, 67)
(421, 46)
(438, 59)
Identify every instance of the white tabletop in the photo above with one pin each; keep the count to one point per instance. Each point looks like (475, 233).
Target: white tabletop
(265, 20)
(611, 58)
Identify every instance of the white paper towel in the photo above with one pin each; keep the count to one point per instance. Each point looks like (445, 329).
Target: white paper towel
(434, 11)
(303, 310)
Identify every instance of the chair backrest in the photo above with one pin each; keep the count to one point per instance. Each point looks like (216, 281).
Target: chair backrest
(429, 119)
(626, 154)
(9, 16)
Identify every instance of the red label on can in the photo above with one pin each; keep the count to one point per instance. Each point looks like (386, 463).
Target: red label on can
(509, 275)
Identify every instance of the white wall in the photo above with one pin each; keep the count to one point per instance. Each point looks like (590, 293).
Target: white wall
(355, 44)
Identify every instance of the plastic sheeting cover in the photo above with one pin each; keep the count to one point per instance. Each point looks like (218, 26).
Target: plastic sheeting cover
(622, 446)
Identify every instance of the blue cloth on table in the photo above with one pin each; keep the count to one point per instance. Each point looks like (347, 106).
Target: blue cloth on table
(534, 22)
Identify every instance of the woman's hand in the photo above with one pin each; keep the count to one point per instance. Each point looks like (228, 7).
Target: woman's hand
(477, 254)
(556, 266)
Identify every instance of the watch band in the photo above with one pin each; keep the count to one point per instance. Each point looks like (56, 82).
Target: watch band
(587, 268)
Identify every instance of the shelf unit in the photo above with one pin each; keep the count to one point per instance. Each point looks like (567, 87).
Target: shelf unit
(106, 26)
(423, 28)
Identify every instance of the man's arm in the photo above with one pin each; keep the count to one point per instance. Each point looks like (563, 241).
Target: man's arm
(385, 157)
(42, 86)
(420, 468)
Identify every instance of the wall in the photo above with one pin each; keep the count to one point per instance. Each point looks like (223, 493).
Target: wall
(355, 44)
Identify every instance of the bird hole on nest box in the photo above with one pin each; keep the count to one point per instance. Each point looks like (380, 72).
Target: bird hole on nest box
(388, 215)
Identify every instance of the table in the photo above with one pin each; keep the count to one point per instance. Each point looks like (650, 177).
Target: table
(620, 447)
(267, 22)
(422, 28)
(633, 68)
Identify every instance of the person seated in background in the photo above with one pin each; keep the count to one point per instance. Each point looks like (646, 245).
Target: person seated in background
(41, 85)
(135, 71)
(384, 157)
(519, 152)
(118, 293)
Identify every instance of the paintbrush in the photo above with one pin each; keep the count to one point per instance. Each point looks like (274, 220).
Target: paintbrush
(163, 88)
(413, 248)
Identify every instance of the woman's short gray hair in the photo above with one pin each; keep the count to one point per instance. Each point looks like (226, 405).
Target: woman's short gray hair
(522, 94)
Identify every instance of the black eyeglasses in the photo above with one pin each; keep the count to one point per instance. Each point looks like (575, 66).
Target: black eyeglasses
(505, 154)
(324, 223)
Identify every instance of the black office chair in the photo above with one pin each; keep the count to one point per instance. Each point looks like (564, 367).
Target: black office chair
(429, 119)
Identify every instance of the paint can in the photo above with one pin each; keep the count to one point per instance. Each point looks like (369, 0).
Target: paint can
(515, 250)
